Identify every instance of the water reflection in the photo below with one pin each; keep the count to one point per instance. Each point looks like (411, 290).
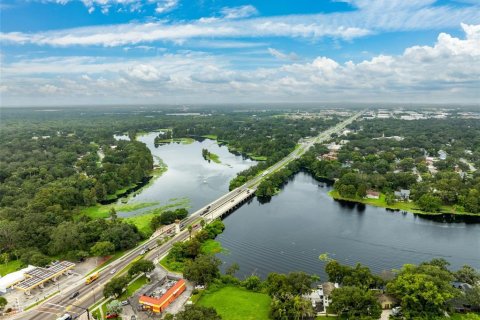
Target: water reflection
(290, 231)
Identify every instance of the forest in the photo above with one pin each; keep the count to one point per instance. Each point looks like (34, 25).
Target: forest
(369, 161)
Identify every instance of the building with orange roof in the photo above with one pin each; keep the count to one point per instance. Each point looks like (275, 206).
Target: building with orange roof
(160, 304)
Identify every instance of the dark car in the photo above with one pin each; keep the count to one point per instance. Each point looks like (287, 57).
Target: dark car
(74, 295)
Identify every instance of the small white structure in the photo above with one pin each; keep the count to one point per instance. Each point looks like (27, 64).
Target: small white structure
(13, 278)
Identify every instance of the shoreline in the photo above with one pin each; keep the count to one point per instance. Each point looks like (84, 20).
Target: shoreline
(399, 206)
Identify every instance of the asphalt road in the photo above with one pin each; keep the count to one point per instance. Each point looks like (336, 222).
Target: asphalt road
(89, 294)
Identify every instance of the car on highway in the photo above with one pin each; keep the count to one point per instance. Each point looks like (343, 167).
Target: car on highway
(111, 316)
(124, 302)
(113, 271)
(74, 295)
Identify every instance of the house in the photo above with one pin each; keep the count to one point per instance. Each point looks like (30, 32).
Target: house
(387, 301)
(321, 296)
(461, 285)
(403, 194)
(442, 155)
(371, 194)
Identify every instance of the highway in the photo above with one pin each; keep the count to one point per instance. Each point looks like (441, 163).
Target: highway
(88, 294)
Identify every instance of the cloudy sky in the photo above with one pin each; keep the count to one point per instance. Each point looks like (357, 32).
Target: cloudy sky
(59, 52)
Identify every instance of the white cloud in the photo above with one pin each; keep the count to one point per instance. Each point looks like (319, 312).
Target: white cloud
(166, 5)
(282, 56)
(448, 71)
(121, 5)
(239, 12)
(372, 16)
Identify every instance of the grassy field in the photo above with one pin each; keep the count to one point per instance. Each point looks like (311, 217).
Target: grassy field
(11, 266)
(102, 211)
(142, 221)
(234, 303)
(405, 206)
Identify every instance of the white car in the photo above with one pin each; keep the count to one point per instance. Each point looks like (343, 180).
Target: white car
(113, 271)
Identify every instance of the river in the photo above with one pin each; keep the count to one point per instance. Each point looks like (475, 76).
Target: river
(302, 221)
(189, 176)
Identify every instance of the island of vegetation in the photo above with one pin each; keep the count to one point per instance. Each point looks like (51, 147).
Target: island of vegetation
(209, 156)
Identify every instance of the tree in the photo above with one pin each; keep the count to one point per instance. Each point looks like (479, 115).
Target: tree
(429, 203)
(468, 275)
(203, 269)
(115, 287)
(194, 312)
(113, 214)
(141, 266)
(355, 303)
(252, 283)
(291, 307)
(114, 307)
(3, 302)
(232, 269)
(423, 290)
(190, 229)
(102, 248)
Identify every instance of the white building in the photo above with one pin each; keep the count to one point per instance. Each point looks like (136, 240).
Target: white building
(13, 278)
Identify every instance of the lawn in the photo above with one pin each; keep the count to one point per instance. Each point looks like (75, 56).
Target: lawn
(11, 266)
(234, 303)
(133, 287)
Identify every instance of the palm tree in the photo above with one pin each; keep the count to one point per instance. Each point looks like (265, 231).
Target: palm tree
(190, 229)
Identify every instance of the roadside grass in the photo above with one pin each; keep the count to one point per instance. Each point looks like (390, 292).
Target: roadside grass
(133, 287)
(400, 205)
(211, 247)
(234, 303)
(40, 301)
(11, 266)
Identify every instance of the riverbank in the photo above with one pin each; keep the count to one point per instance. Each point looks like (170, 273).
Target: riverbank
(400, 205)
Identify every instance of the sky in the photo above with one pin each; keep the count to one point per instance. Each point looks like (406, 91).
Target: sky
(72, 52)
